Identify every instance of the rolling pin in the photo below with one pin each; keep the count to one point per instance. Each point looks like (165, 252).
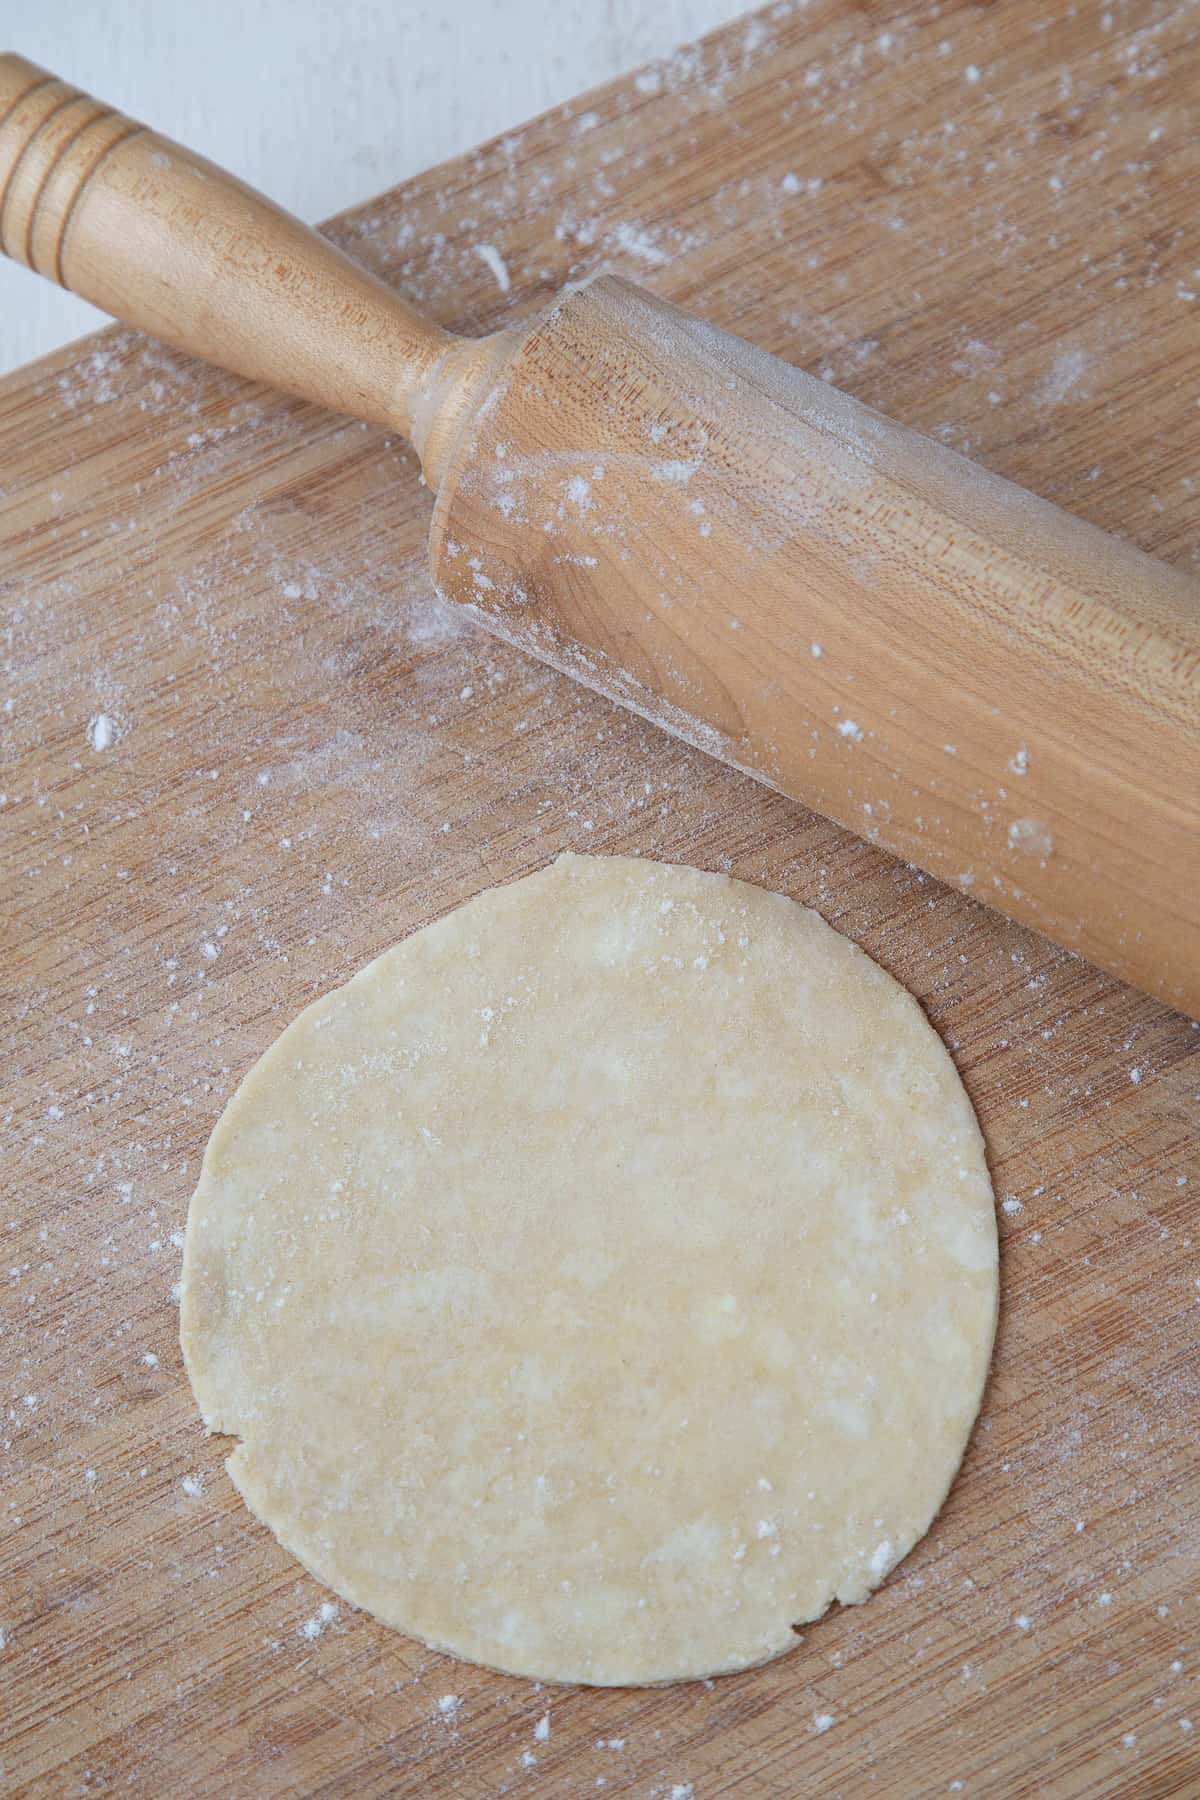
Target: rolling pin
(839, 606)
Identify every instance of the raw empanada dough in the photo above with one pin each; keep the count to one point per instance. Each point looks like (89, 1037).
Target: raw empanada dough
(602, 1281)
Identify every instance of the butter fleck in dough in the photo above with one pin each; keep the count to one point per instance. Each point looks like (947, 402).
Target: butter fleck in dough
(601, 1282)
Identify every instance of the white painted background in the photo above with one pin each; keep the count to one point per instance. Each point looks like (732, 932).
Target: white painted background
(322, 103)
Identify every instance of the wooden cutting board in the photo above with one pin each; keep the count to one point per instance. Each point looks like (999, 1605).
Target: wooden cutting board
(981, 219)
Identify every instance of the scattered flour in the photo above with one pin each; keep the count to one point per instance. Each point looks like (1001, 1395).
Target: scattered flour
(489, 254)
(1066, 373)
(102, 733)
(639, 243)
(325, 1615)
(1032, 836)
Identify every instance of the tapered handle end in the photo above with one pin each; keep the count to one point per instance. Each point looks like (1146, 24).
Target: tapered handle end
(171, 244)
(53, 139)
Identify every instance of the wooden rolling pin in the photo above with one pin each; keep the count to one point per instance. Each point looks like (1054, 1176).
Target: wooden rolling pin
(837, 605)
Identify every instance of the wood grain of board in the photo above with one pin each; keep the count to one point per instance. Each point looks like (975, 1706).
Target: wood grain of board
(980, 219)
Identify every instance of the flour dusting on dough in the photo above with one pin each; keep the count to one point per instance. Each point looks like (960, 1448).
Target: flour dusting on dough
(601, 1282)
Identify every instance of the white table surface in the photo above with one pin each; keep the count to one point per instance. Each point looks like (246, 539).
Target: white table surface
(323, 104)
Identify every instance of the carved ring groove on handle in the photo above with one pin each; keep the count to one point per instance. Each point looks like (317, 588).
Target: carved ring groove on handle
(48, 173)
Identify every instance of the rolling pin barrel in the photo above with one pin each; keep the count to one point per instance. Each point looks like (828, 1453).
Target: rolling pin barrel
(949, 666)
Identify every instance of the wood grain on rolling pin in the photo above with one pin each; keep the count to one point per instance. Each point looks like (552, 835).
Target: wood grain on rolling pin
(944, 663)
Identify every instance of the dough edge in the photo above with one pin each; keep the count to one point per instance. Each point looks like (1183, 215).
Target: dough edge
(239, 1463)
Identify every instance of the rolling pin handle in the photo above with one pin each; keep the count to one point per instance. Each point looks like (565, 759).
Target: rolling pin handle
(169, 243)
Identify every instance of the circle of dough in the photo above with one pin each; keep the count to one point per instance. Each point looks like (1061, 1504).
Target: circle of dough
(603, 1281)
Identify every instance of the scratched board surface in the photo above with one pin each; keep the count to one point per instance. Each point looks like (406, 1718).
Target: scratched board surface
(245, 750)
